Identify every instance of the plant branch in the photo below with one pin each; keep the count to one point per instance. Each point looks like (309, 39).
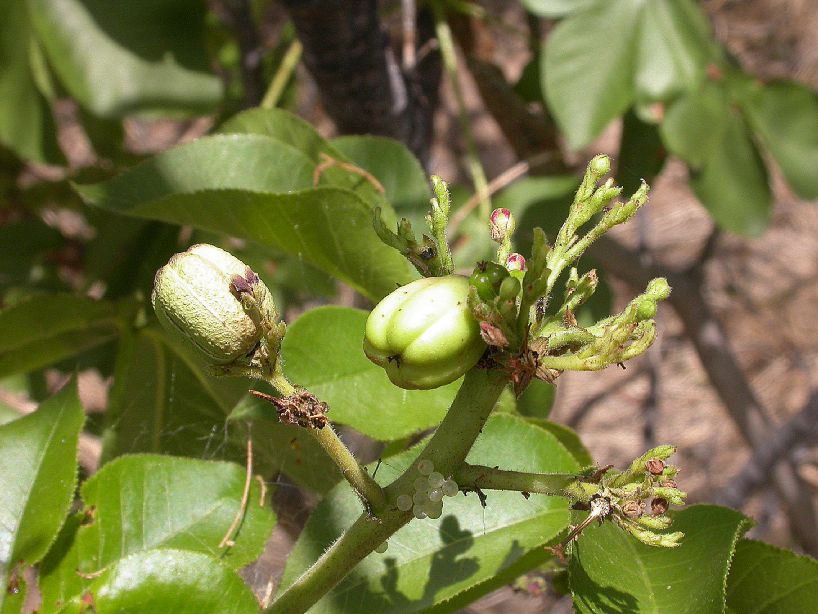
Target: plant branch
(362, 85)
(728, 380)
(447, 449)
(354, 473)
(479, 477)
(338, 560)
(282, 76)
(800, 430)
(447, 50)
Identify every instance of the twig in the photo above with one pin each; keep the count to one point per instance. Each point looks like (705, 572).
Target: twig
(248, 478)
(285, 71)
(478, 175)
(798, 431)
(327, 161)
(408, 20)
(728, 380)
(502, 180)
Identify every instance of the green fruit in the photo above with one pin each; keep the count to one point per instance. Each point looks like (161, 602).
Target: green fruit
(423, 334)
(487, 278)
(193, 300)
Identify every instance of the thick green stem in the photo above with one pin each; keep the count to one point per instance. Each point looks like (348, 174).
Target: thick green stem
(472, 477)
(455, 436)
(363, 483)
(447, 449)
(350, 549)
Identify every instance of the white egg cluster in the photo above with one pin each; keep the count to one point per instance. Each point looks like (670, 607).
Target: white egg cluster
(430, 488)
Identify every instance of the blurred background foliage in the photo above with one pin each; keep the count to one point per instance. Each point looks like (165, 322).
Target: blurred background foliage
(712, 102)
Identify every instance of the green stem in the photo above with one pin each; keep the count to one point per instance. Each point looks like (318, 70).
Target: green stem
(447, 51)
(282, 76)
(357, 476)
(447, 449)
(356, 542)
(472, 477)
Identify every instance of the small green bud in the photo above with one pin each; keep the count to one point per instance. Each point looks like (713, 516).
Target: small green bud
(600, 165)
(646, 310)
(658, 289)
(206, 297)
(509, 289)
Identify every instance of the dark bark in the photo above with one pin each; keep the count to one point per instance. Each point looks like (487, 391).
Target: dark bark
(362, 85)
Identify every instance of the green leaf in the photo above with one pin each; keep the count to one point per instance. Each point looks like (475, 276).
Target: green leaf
(537, 399)
(398, 171)
(695, 124)
(221, 162)
(784, 115)
(613, 572)
(167, 581)
(23, 245)
(162, 401)
(26, 123)
(673, 49)
(768, 580)
(51, 327)
(733, 183)
(224, 183)
(118, 57)
(287, 128)
(431, 561)
(144, 502)
(38, 474)
(588, 78)
(556, 8)
(358, 391)
(568, 438)
(660, 50)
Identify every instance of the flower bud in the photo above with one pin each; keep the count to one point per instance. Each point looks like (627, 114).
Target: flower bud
(501, 224)
(600, 165)
(515, 262)
(196, 297)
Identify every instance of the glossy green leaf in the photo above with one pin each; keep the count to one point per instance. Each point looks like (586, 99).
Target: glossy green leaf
(221, 162)
(38, 474)
(557, 8)
(143, 502)
(612, 572)
(118, 57)
(785, 117)
(163, 401)
(660, 50)
(398, 171)
(291, 130)
(50, 327)
(588, 78)
(224, 183)
(694, 125)
(26, 123)
(166, 581)
(431, 561)
(768, 580)
(733, 183)
(358, 391)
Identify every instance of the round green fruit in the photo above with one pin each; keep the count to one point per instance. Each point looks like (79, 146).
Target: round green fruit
(423, 334)
(487, 278)
(193, 300)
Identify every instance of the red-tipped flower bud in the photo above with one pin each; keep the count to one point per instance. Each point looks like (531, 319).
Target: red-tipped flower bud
(515, 262)
(501, 224)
